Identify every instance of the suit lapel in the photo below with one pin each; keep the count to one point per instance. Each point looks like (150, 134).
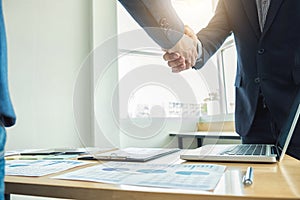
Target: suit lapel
(251, 11)
(274, 7)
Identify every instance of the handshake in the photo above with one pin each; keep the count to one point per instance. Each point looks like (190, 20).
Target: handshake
(184, 54)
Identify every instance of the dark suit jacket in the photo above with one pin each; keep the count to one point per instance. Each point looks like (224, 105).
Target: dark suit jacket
(269, 61)
(158, 19)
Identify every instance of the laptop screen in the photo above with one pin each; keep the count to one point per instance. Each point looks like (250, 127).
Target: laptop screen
(289, 127)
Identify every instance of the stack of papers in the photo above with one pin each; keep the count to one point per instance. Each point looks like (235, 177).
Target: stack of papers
(39, 167)
(63, 151)
(42, 157)
(52, 154)
(182, 176)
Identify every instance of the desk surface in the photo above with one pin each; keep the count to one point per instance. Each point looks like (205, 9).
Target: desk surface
(271, 181)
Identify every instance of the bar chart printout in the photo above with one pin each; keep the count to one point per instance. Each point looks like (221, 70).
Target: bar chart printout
(181, 176)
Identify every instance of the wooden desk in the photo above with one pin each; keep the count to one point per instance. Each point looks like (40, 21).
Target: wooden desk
(271, 181)
(200, 135)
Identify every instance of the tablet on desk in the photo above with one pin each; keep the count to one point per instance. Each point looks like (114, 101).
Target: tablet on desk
(131, 154)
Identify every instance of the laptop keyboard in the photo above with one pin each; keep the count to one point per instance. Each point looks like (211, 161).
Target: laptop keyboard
(246, 149)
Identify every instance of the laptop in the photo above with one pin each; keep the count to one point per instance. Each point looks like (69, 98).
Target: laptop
(258, 153)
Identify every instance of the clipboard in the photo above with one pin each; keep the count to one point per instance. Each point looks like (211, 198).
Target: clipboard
(133, 154)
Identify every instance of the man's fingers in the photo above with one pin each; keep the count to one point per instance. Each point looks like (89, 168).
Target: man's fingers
(188, 31)
(171, 56)
(178, 68)
(176, 63)
(180, 62)
(191, 59)
(188, 65)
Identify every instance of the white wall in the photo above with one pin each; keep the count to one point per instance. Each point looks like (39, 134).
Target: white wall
(50, 71)
(48, 41)
(105, 74)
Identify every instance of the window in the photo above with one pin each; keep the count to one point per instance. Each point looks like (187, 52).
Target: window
(228, 67)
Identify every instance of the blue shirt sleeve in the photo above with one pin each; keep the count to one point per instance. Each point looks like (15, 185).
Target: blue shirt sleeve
(7, 114)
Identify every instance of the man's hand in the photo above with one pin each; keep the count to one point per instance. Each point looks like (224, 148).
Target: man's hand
(184, 54)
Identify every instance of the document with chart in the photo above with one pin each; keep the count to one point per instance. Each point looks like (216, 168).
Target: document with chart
(39, 167)
(182, 176)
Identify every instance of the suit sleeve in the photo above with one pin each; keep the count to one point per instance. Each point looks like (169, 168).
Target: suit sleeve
(214, 35)
(158, 18)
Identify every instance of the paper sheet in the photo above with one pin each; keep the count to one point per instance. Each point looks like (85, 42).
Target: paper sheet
(39, 167)
(183, 176)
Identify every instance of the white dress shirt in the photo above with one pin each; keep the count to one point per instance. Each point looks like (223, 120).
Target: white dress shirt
(262, 11)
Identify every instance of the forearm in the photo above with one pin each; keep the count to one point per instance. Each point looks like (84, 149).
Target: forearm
(213, 36)
(158, 18)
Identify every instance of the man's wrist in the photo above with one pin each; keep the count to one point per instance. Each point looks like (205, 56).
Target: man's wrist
(199, 50)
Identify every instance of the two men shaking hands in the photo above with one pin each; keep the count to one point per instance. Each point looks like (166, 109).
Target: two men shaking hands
(268, 57)
(161, 22)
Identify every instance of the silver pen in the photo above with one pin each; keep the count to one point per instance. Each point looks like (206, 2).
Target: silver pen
(248, 177)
